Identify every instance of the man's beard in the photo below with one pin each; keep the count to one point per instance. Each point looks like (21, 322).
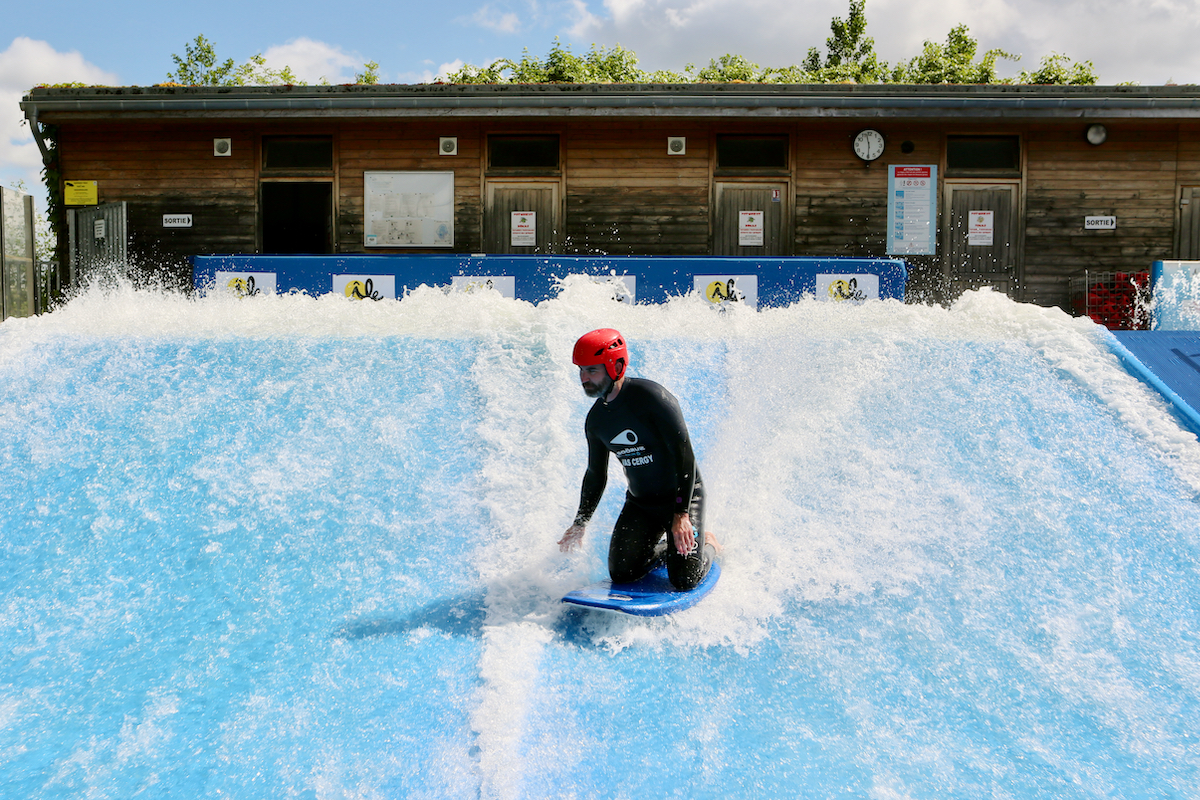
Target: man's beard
(598, 390)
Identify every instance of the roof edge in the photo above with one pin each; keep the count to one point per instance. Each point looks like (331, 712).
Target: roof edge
(632, 99)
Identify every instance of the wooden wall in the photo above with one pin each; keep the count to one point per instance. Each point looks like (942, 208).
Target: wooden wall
(401, 145)
(623, 194)
(167, 169)
(1132, 176)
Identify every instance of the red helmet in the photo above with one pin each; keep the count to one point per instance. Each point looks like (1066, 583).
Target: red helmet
(605, 346)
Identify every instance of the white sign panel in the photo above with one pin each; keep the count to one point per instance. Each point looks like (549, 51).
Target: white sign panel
(981, 228)
(365, 287)
(177, 220)
(750, 228)
(408, 209)
(1099, 223)
(523, 231)
(506, 285)
(853, 289)
(245, 284)
(624, 287)
(726, 290)
(912, 210)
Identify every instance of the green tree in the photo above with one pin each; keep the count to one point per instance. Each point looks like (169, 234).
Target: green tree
(850, 58)
(953, 62)
(730, 69)
(850, 53)
(369, 76)
(1059, 70)
(200, 66)
(560, 65)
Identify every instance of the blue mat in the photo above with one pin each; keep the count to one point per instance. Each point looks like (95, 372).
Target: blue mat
(1170, 362)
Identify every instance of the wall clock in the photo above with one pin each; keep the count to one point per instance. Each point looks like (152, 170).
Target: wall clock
(868, 145)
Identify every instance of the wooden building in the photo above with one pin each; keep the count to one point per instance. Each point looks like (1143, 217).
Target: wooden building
(1075, 178)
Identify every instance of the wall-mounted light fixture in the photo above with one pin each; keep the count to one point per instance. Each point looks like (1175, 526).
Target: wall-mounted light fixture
(1097, 134)
(222, 147)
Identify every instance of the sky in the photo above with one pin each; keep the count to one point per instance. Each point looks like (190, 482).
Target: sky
(130, 42)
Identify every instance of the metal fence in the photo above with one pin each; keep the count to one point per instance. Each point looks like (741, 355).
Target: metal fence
(18, 285)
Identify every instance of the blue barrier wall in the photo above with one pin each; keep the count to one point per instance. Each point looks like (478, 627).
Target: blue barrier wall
(1176, 295)
(758, 281)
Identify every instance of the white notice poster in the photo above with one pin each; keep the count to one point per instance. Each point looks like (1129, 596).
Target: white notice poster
(912, 209)
(408, 209)
(981, 228)
(524, 229)
(750, 228)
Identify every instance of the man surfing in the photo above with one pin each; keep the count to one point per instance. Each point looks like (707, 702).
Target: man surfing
(640, 422)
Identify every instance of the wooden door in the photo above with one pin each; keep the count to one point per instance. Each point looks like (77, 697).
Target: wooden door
(982, 236)
(539, 198)
(733, 198)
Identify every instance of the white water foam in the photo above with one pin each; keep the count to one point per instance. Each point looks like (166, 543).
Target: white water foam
(775, 399)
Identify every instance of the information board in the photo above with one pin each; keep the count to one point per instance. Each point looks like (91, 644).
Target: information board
(408, 209)
(912, 210)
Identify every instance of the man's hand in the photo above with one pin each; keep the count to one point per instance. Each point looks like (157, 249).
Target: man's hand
(683, 535)
(572, 539)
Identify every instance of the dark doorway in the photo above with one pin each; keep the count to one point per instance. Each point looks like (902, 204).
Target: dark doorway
(297, 217)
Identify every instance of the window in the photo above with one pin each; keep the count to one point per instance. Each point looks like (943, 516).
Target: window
(983, 155)
(523, 153)
(297, 154)
(752, 153)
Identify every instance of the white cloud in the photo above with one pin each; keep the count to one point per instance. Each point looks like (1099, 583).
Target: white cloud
(667, 34)
(428, 75)
(584, 20)
(495, 20)
(453, 66)
(313, 62)
(1146, 41)
(25, 64)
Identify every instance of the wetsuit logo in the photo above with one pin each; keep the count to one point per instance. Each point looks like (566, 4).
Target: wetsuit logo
(625, 438)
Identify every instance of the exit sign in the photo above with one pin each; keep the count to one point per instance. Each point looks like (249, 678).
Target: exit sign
(1099, 223)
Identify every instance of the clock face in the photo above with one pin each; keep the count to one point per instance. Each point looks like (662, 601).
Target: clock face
(868, 145)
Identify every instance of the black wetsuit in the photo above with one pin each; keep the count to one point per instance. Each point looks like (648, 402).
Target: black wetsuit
(644, 428)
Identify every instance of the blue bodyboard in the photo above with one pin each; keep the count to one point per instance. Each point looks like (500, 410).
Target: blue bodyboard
(652, 596)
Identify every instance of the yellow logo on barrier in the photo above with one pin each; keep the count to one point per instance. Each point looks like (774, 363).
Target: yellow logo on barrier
(842, 290)
(723, 292)
(362, 290)
(481, 285)
(243, 287)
